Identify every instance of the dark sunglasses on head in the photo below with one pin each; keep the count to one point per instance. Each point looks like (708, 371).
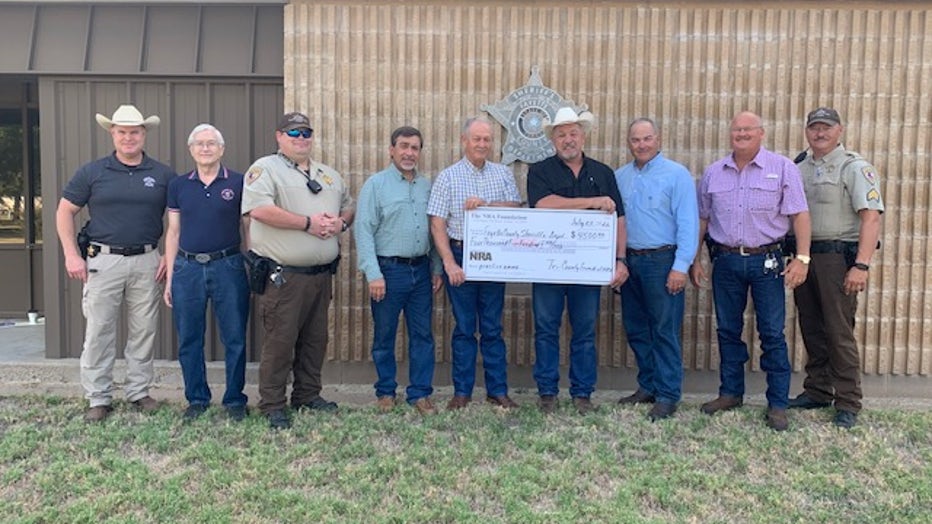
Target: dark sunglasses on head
(303, 133)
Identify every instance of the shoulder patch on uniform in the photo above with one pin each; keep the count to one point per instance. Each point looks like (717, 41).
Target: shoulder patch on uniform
(873, 195)
(869, 173)
(253, 174)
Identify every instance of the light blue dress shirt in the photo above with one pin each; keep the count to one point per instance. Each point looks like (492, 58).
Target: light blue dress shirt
(661, 208)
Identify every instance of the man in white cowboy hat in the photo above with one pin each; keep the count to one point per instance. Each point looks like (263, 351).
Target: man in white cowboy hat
(125, 194)
(571, 180)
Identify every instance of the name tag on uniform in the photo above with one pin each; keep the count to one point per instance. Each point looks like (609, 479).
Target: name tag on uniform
(771, 175)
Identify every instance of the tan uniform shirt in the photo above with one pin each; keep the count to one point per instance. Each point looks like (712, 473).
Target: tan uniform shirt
(276, 180)
(838, 186)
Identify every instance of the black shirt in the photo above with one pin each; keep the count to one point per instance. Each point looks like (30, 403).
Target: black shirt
(552, 176)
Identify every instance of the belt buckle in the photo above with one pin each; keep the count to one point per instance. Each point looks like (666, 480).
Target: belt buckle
(742, 252)
(203, 258)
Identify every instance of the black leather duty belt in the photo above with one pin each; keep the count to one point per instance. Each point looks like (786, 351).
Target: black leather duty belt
(204, 258)
(416, 261)
(831, 246)
(746, 251)
(668, 247)
(126, 251)
(312, 270)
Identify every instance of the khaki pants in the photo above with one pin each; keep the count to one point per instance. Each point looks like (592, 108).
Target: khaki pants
(113, 279)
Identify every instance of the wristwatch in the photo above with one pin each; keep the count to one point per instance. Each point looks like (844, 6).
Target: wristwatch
(805, 259)
(862, 266)
(345, 226)
(623, 260)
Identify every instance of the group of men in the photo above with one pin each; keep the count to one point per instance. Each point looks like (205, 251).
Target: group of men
(284, 217)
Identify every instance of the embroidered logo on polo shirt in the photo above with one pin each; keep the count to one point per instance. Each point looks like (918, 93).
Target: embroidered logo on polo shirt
(149, 181)
(227, 194)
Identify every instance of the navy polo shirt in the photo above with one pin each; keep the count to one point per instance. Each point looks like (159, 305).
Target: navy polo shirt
(210, 215)
(126, 203)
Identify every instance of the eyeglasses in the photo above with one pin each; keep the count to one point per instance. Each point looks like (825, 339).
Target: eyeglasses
(210, 144)
(303, 133)
(745, 129)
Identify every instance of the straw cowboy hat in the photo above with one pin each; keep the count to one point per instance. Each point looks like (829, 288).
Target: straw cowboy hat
(566, 115)
(127, 115)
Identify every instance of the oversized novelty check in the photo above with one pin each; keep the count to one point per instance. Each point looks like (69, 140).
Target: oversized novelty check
(506, 244)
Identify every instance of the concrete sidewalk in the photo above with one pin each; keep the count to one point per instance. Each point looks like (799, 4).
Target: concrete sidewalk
(25, 370)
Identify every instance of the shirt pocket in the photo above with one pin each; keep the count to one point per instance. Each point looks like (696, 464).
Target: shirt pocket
(826, 187)
(721, 191)
(764, 195)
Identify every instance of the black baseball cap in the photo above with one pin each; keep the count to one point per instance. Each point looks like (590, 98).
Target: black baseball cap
(294, 120)
(824, 115)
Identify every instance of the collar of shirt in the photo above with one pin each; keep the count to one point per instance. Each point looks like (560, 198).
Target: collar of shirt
(730, 159)
(220, 174)
(392, 168)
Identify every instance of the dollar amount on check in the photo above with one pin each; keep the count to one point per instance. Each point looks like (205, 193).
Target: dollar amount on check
(539, 245)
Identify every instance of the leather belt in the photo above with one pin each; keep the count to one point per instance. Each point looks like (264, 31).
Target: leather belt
(746, 251)
(312, 270)
(415, 261)
(456, 243)
(204, 258)
(126, 251)
(668, 247)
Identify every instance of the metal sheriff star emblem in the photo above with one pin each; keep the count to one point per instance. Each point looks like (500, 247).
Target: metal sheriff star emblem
(523, 113)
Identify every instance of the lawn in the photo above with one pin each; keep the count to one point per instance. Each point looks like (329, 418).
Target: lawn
(480, 464)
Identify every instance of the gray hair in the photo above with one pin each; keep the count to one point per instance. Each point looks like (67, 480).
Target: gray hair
(644, 120)
(205, 127)
(474, 119)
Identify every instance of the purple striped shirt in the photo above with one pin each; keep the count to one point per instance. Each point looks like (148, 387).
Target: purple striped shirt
(751, 207)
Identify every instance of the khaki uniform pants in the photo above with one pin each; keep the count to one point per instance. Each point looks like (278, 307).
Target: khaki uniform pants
(113, 279)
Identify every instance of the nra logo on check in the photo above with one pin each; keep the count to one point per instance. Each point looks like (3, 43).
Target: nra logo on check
(480, 255)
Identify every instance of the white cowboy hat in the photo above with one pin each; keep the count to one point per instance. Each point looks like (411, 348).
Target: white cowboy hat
(127, 115)
(566, 115)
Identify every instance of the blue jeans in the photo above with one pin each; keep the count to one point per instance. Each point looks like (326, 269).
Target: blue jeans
(653, 319)
(477, 305)
(223, 282)
(582, 303)
(732, 275)
(408, 289)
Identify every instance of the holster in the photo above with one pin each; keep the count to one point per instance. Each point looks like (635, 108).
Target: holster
(259, 269)
(84, 240)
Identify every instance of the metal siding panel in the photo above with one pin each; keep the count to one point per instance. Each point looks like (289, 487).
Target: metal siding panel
(269, 42)
(172, 40)
(114, 39)
(16, 28)
(227, 40)
(61, 39)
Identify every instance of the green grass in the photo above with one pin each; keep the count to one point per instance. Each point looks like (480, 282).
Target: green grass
(476, 465)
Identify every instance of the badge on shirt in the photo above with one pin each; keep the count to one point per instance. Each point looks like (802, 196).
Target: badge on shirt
(253, 174)
(325, 177)
(869, 174)
(873, 195)
(771, 175)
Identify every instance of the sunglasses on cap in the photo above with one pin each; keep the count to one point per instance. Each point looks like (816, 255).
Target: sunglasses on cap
(303, 133)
